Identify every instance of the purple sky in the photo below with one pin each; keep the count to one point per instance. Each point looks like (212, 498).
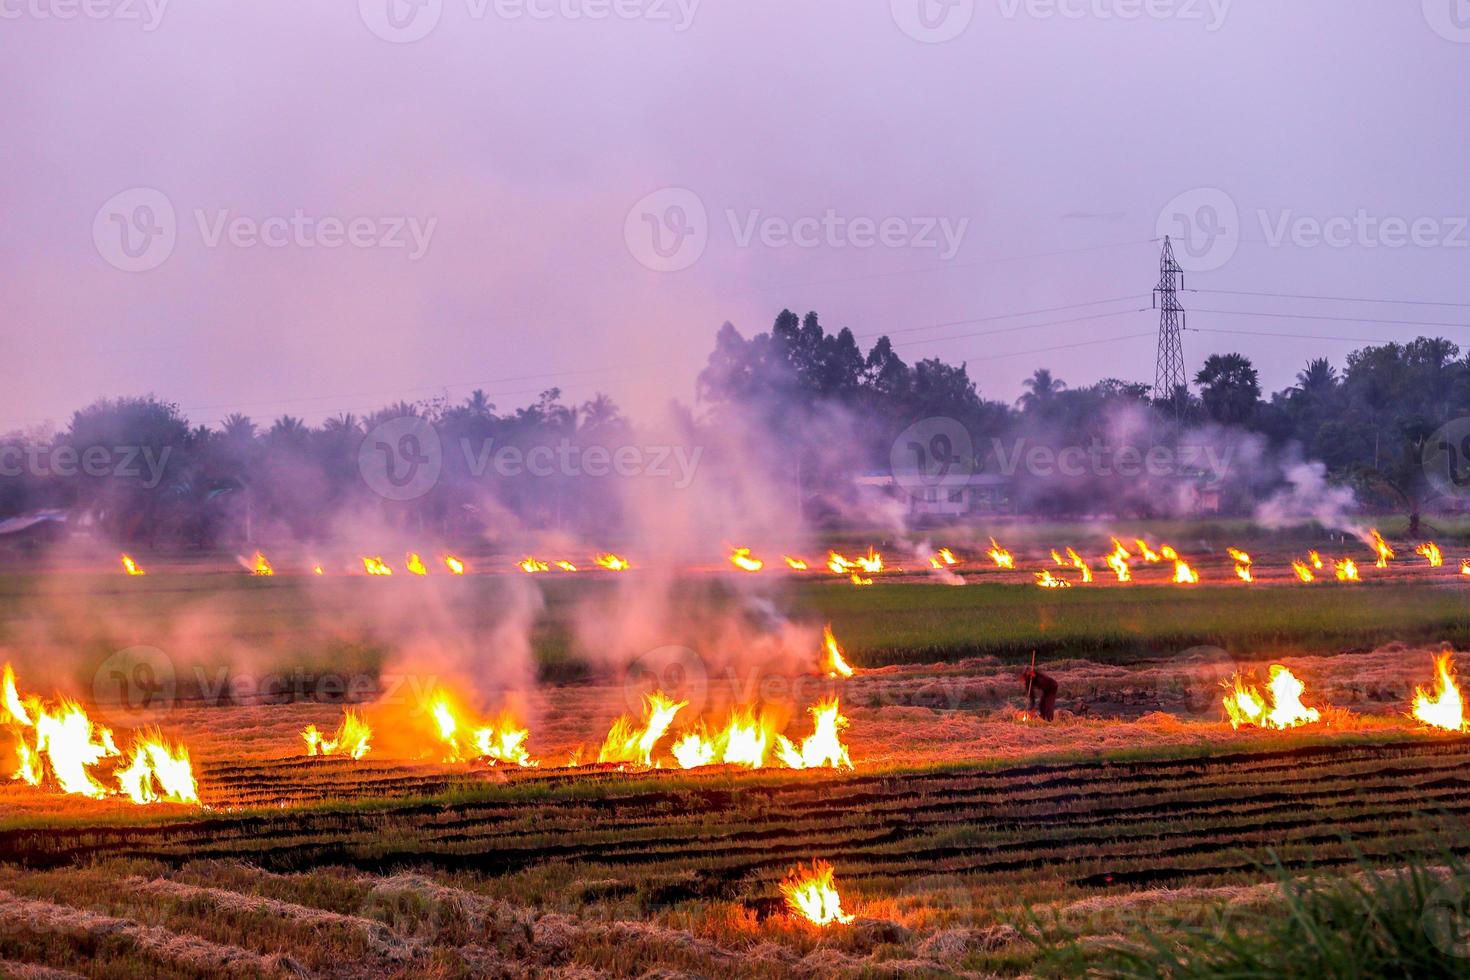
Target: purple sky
(526, 142)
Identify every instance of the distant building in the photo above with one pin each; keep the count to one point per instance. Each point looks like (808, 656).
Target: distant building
(957, 495)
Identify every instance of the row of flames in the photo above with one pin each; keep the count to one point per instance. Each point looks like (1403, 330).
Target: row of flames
(1278, 704)
(58, 744)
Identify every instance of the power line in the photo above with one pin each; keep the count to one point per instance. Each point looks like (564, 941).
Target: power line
(1336, 299)
(999, 316)
(1023, 326)
(1046, 350)
(1340, 319)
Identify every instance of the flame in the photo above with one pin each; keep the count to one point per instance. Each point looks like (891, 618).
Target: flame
(352, 738)
(1167, 553)
(811, 895)
(872, 564)
(1145, 552)
(317, 570)
(1431, 551)
(945, 558)
(1465, 566)
(1279, 707)
(612, 562)
(742, 559)
(795, 564)
(1315, 559)
(1303, 571)
(821, 748)
(835, 665)
(628, 741)
(1243, 564)
(1346, 570)
(455, 566)
(1118, 561)
(375, 566)
(1057, 559)
(1001, 557)
(1376, 542)
(838, 565)
(1183, 574)
(1047, 580)
(859, 580)
(501, 740)
(131, 567)
(261, 566)
(1444, 708)
(66, 744)
(158, 771)
(695, 749)
(565, 566)
(531, 566)
(416, 564)
(1080, 565)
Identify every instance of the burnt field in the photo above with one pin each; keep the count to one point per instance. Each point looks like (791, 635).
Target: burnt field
(945, 869)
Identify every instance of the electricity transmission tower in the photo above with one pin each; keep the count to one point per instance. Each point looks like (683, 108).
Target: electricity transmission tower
(1169, 380)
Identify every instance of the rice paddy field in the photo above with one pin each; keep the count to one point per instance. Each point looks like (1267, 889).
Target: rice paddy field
(968, 837)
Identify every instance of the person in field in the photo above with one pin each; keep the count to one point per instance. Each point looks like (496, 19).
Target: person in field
(1040, 687)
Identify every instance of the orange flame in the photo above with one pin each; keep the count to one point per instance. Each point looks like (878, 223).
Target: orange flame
(1001, 557)
(872, 564)
(1346, 570)
(1442, 707)
(742, 559)
(317, 570)
(839, 565)
(1315, 559)
(532, 566)
(811, 895)
(1431, 551)
(822, 748)
(131, 567)
(629, 741)
(1183, 574)
(944, 557)
(1118, 561)
(260, 566)
(502, 740)
(835, 665)
(1047, 580)
(353, 737)
(1303, 571)
(565, 565)
(375, 566)
(416, 565)
(1280, 706)
(1243, 564)
(455, 566)
(66, 745)
(1148, 554)
(859, 580)
(1081, 565)
(1376, 542)
(1465, 566)
(612, 562)
(795, 564)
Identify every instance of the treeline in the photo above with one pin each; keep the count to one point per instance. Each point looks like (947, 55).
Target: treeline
(808, 408)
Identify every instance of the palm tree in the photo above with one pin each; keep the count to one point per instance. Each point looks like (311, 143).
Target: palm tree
(238, 428)
(1318, 378)
(1041, 389)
